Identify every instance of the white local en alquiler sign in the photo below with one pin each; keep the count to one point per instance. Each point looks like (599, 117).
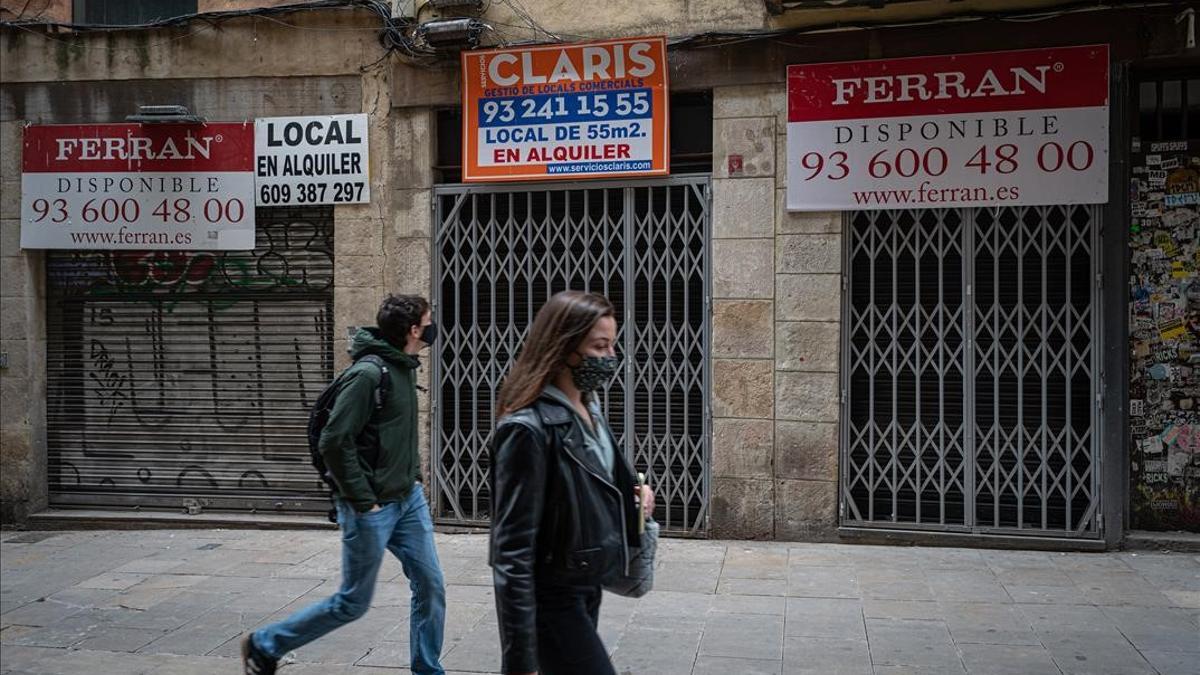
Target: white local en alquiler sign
(305, 161)
(1013, 128)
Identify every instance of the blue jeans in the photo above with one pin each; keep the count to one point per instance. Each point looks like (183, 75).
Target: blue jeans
(404, 528)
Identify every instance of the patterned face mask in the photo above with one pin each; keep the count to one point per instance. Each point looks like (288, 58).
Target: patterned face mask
(592, 372)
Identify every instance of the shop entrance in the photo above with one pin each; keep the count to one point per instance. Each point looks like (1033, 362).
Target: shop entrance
(970, 371)
(500, 254)
(184, 379)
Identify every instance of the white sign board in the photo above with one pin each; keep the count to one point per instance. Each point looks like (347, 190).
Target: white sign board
(138, 187)
(998, 129)
(302, 161)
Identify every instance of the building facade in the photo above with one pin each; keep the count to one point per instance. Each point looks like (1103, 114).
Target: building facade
(955, 374)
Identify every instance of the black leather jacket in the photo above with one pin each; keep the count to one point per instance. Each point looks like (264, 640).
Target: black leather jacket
(556, 519)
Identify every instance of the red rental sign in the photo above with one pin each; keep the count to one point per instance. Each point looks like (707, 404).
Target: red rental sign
(1023, 127)
(1030, 79)
(132, 186)
(90, 148)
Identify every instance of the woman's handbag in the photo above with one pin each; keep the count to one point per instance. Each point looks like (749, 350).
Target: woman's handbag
(640, 578)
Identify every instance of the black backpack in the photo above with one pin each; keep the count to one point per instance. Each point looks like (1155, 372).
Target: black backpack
(319, 417)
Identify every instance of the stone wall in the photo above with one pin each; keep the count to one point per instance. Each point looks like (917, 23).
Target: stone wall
(384, 247)
(100, 78)
(776, 312)
(23, 341)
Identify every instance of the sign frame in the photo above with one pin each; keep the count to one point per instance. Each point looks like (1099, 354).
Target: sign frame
(982, 129)
(566, 99)
(101, 187)
(293, 148)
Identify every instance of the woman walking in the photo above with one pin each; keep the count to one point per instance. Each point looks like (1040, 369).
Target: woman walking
(564, 499)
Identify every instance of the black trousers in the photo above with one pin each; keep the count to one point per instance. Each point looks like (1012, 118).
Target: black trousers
(568, 643)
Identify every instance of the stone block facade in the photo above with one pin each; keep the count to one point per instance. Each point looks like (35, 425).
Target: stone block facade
(777, 284)
(379, 248)
(23, 343)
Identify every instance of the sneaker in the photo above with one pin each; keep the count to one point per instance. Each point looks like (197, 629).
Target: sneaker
(254, 661)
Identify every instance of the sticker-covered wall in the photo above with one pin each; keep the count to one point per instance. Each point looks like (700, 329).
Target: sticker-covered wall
(1165, 341)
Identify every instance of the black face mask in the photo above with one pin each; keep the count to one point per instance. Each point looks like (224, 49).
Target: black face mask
(429, 334)
(592, 372)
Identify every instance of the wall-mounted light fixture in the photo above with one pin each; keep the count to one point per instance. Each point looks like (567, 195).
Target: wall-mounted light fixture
(164, 114)
(457, 4)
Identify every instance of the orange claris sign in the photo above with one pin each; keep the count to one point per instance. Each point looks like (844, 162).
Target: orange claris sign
(596, 109)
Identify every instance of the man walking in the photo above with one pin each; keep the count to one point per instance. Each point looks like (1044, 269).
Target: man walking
(372, 456)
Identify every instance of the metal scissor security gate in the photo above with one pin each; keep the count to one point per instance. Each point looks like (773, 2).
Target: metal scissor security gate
(970, 371)
(502, 252)
(185, 378)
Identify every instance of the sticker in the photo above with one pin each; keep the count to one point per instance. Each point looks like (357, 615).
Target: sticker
(1157, 177)
(1176, 461)
(1166, 244)
(1182, 199)
(1137, 408)
(1170, 435)
(1171, 163)
(1177, 218)
(1163, 353)
(1151, 446)
(1153, 160)
(1168, 146)
(1141, 349)
(1186, 440)
(1183, 181)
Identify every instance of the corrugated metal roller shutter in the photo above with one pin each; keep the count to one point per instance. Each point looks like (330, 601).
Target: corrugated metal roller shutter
(176, 378)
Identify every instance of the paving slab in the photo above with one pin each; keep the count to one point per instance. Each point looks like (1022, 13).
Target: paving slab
(748, 604)
(1095, 653)
(1157, 629)
(985, 659)
(911, 643)
(823, 582)
(901, 609)
(685, 577)
(825, 618)
(1173, 663)
(178, 602)
(653, 650)
(743, 636)
(826, 656)
(717, 665)
(981, 623)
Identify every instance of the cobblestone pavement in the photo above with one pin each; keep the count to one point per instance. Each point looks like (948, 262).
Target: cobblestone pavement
(177, 601)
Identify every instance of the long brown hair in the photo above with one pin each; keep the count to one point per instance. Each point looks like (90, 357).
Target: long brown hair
(558, 329)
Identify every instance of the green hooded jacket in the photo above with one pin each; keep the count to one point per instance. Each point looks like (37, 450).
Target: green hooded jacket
(355, 429)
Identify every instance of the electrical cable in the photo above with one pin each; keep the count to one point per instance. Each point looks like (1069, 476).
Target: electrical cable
(400, 34)
(723, 38)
